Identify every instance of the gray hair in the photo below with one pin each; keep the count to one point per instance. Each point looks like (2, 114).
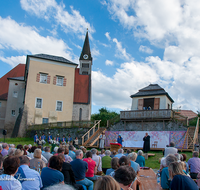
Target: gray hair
(78, 152)
(178, 156)
(12, 146)
(11, 152)
(195, 154)
(60, 186)
(121, 151)
(0, 147)
(47, 149)
(107, 153)
(93, 150)
(132, 156)
(4, 145)
(170, 158)
(140, 152)
(24, 160)
(71, 147)
(55, 149)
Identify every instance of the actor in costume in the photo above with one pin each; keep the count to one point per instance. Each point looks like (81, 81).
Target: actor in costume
(69, 140)
(35, 138)
(146, 145)
(102, 138)
(43, 138)
(58, 138)
(120, 139)
(49, 138)
(63, 140)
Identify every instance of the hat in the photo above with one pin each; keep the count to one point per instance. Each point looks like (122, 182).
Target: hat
(57, 134)
(49, 133)
(120, 135)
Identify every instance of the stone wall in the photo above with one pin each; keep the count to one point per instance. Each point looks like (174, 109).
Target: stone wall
(86, 112)
(148, 126)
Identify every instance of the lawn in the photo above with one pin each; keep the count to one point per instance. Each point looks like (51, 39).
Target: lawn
(152, 162)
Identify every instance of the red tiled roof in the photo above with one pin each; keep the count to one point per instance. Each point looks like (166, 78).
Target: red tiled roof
(17, 71)
(188, 113)
(81, 88)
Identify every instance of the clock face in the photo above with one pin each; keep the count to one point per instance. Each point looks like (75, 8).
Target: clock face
(85, 56)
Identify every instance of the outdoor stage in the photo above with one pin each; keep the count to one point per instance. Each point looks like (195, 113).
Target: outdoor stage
(134, 139)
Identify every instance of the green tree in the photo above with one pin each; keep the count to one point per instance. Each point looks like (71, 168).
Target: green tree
(104, 115)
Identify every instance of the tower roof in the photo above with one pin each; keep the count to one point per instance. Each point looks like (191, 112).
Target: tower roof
(86, 49)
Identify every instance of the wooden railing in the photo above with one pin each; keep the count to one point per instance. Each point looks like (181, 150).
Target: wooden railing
(93, 130)
(196, 133)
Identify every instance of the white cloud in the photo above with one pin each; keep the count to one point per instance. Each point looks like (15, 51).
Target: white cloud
(107, 34)
(14, 61)
(95, 52)
(121, 52)
(108, 62)
(145, 49)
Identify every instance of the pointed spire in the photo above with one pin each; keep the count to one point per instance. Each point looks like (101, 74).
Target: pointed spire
(86, 54)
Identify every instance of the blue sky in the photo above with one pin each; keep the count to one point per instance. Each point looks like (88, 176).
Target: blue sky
(133, 43)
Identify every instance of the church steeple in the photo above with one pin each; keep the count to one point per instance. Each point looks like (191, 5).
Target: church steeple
(85, 58)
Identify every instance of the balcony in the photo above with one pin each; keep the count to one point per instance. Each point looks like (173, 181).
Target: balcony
(133, 115)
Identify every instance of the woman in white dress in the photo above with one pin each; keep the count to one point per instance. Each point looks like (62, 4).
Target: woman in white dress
(102, 138)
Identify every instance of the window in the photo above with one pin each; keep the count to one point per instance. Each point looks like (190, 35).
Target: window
(43, 78)
(38, 103)
(58, 105)
(85, 65)
(59, 81)
(13, 112)
(15, 94)
(45, 120)
(85, 73)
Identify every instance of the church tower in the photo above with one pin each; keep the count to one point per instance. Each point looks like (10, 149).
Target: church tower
(85, 58)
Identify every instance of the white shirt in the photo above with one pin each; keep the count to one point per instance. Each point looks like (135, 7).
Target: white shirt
(97, 159)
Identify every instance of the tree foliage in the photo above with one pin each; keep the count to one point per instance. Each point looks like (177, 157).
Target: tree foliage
(104, 115)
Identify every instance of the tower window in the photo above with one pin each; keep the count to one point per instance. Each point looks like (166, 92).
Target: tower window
(85, 65)
(85, 73)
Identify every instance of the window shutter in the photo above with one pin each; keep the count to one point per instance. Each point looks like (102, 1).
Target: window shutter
(64, 82)
(140, 104)
(38, 77)
(54, 80)
(156, 103)
(48, 79)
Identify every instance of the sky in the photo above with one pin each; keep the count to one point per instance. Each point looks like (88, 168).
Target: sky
(133, 43)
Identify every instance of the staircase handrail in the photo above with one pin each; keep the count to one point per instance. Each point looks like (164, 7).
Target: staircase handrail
(196, 133)
(186, 136)
(93, 128)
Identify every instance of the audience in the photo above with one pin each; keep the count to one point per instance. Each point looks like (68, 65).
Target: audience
(194, 165)
(114, 165)
(47, 153)
(140, 159)
(102, 153)
(106, 161)
(113, 154)
(68, 159)
(120, 153)
(184, 160)
(71, 152)
(127, 152)
(170, 150)
(7, 180)
(5, 147)
(0, 149)
(97, 159)
(1, 164)
(79, 168)
(179, 180)
(134, 165)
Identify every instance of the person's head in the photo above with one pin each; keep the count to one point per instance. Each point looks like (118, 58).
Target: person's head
(66, 150)
(84, 150)
(140, 152)
(128, 151)
(124, 161)
(125, 175)
(88, 154)
(1, 161)
(71, 147)
(24, 160)
(5, 146)
(56, 162)
(37, 153)
(114, 152)
(40, 147)
(11, 165)
(170, 158)
(119, 136)
(40, 138)
(107, 153)
(102, 151)
(172, 144)
(42, 134)
(26, 147)
(47, 149)
(19, 146)
(62, 156)
(76, 138)
(178, 156)
(69, 135)
(63, 136)
(132, 156)
(184, 157)
(57, 135)
(93, 151)
(61, 150)
(0, 148)
(11, 145)
(175, 168)
(11, 152)
(60, 186)
(146, 134)
(79, 154)
(33, 148)
(19, 152)
(184, 167)
(106, 183)
(195, 154)
(120, 151)
(115, 163)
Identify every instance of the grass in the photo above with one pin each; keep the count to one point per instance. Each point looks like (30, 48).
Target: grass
(152, 161)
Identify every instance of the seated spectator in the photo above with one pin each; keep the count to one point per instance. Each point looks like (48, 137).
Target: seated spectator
(7, 180)
(106, 161)
(184, 160)
(0, 149)
(102, 153)
(165, 182)
(120, 153)
(84, 152)
(127, 152)
(19, 146)
(71, 152)
(113, 154)
(11, 152)
(26, 147)
(18, 152)
(25, 172)
(59, 187)
(140, 159)
(184, 167)
(97, 159)
(68, 159)
(178, 156)
(37, 163)
(75, 142)
(179, 180)
(52, 175)
(194, 165)
(60, 151)
(68, 173)
(1, 164)
(47, 153)
(92, 167)
(170, 150)
(106, 183)
(5, 147)
(79, 168)
(126, 177)
(132, 157)
(114, 165)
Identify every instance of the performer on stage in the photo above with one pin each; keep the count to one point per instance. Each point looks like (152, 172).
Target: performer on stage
(69, 140)
(58, 138)
(35, 138)
(63, 140)
(120, 139)
(146, 145)
(43, 138)
(102, 138)
(49, 138)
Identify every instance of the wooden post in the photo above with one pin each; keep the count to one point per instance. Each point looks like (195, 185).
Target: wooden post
(98, 125)
(82, 140)
(107, 123)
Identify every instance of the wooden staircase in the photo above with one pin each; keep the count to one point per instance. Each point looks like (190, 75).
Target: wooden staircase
(92, 136)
